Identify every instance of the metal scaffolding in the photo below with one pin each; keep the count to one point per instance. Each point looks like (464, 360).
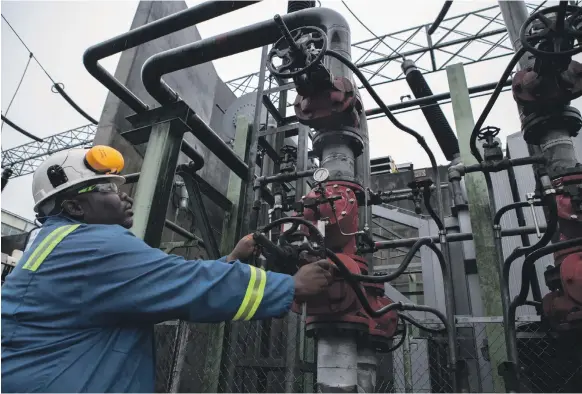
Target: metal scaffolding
(467, 38)
(24, 159)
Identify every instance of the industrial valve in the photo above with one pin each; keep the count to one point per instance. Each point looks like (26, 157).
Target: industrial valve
(492, 149)
(420, 183)
(300, 53)
(546, 89)
(563, 306)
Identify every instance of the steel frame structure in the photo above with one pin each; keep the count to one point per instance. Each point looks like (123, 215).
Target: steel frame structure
(467, 38)
(24, 159)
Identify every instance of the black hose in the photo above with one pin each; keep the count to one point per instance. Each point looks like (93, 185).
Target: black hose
(405, 263)
(69, 100)
(440, 17)
(418, 325)
(311, 226)
(552, 226)
(531, 259)
(473, 140)
(20, 129)
(419, 138)
(403, 335)
(509, 207)
(429, 208)
(385, 109)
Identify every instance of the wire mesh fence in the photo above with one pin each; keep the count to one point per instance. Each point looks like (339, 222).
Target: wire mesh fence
(276, 356)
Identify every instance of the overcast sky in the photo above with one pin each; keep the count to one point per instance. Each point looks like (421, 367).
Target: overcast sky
(59, 32)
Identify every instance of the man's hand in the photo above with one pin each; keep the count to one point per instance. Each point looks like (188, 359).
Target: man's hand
(313, 279)
(244, 249)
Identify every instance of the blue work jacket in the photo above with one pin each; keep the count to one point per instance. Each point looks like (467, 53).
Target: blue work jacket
(78, 311)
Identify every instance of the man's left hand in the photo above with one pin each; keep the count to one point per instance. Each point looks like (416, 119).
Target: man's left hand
(244, 249)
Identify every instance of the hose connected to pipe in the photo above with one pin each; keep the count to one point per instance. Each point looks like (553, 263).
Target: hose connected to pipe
(473, 140)
(531, 259)
(509, 207)
(419, 138)
(401, 268)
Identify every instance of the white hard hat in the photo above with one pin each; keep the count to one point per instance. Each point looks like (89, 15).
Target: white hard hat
(66, 169)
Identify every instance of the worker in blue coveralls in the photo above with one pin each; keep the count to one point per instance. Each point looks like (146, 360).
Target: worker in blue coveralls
(78, 311)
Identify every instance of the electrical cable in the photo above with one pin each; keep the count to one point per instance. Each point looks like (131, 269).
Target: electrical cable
(440, 17)
(371, 32)
(56, 85)
(20, 129)
(17, 88)
(473, 140)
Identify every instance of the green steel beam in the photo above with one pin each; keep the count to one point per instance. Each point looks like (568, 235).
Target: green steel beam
(481, 217)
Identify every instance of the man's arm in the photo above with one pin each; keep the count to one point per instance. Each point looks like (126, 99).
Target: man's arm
(131, 282)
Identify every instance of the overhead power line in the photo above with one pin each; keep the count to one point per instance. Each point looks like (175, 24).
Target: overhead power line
(17, 88)
(57, 87)
(370, 31)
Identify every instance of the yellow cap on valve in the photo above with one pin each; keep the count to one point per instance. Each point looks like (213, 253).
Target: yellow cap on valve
(104, 159)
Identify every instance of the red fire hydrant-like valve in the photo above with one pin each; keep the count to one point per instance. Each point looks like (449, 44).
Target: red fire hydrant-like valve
(336, 206)
(563, 306)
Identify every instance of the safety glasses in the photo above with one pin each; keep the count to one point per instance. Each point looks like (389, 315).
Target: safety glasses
(100, 188)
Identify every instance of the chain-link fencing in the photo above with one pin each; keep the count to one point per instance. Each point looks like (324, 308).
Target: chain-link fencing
(276, 356)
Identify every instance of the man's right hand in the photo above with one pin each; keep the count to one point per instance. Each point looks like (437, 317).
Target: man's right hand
(313, 279)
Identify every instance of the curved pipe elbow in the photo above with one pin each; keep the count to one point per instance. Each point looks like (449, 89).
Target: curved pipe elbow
(241, 40)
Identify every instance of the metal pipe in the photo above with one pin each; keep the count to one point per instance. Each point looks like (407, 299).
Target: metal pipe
(503, 279)
(151, 31)
(431, 99)
(237, 41)
(284, 177)
(456, 237)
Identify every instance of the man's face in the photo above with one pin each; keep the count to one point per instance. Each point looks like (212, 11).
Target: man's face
(104, 205)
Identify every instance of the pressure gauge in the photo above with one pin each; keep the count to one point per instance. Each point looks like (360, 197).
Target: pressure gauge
(321, 175)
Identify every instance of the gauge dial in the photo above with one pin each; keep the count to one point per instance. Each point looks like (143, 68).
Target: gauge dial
(321, 175)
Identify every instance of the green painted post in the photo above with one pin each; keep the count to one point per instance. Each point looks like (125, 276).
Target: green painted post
(216, 331)
(481, 219)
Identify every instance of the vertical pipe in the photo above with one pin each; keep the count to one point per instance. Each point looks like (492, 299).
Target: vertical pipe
(337, 359)
(250, 216)
(367, 366)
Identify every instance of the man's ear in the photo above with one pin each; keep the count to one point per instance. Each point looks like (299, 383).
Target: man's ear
(73, 209)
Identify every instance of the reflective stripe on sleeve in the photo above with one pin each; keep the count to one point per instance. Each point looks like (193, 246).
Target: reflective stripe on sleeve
(46, 247)
(253, 295)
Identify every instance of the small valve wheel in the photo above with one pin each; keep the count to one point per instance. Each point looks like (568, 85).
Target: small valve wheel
(541, 26)
(488, 132)
(299, 50)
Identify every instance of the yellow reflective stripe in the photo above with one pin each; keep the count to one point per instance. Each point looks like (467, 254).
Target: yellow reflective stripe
(41, 247)
(55, 238)
(253, 295)
(248, 293)
(258, 294)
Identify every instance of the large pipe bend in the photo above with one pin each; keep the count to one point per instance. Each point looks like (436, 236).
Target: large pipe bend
(141, 35)
(241, 40)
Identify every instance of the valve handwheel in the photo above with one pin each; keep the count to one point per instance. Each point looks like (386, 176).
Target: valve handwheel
(488, 132)
(539, 26)
(299, 50)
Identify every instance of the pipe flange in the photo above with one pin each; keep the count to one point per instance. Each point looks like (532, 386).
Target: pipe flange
(347, 135)
(534, 125)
